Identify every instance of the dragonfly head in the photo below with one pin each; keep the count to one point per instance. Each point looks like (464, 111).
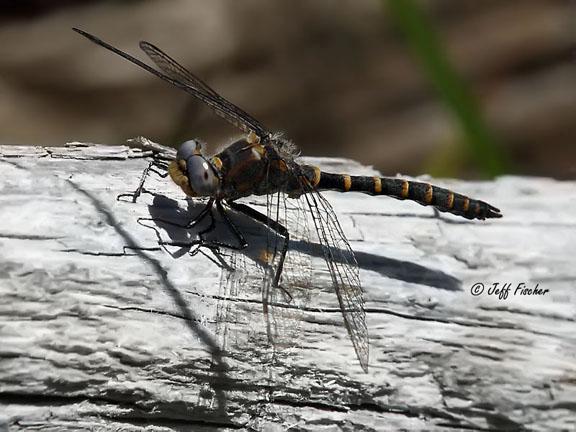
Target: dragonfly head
(202, 177)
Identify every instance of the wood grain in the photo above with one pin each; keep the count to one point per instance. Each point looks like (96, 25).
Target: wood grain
(100, 328)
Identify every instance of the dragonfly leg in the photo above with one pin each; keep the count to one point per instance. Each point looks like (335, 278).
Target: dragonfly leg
(207, 210)
(287, 294)
(218, 260)
(275, 226)
(241, 240)
(154, 163)
(163, 166)
(214, 245)
(191, 224)
(198, 243)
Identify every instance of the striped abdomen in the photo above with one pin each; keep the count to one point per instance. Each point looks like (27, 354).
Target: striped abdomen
(423, 193)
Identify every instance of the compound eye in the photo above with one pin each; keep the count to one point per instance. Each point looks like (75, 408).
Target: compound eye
(189, 148)
(201, 175)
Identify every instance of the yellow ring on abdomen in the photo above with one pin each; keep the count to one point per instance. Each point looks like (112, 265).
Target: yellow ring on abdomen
(317, 175)
(377, 185)
(347, 182)
(405, 189)
(450, 202)
(429, 194)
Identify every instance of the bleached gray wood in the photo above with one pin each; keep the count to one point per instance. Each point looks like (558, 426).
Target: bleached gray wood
(102, 329)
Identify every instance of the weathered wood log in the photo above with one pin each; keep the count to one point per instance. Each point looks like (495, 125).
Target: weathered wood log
(102, 329)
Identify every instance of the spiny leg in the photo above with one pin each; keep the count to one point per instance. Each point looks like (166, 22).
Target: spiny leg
(214, 245)
(191, 224)
(278, 228)
(140, 187)
(207, 210)
(195, 220)
(242, 244)
(202, 242)
(153, 163)
(163, 166)
(219, 261)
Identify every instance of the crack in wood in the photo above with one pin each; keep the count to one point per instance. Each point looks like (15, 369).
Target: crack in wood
(31, 237)
(527, 312)
(136, 419)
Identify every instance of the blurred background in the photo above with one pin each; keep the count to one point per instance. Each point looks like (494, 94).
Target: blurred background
(460, 88)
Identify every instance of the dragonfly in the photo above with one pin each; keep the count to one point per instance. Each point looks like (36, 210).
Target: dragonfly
(264, 163)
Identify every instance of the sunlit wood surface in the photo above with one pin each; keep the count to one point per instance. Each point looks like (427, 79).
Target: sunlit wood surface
(102, 329)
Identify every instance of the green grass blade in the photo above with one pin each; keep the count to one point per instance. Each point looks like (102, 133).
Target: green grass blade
(482, 145)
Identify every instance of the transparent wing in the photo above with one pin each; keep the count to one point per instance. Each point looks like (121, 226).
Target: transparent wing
(228, 111)
(173, 69)
(178, 72)
(251, 309)
(283, 302)
(343, 270)
(231, 319)
(297, 270)
(296, 276)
